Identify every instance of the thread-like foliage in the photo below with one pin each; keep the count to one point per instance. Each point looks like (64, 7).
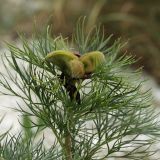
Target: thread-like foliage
(114, 119)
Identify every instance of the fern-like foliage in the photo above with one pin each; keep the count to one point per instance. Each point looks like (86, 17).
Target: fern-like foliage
(114, 119)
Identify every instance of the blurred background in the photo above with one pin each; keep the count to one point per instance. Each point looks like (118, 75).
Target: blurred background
(136, 21)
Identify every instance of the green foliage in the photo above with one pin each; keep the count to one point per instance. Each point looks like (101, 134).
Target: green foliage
(113, 114)
(15, 148)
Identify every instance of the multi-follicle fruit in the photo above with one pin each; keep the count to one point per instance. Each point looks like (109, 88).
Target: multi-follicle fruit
(73, 65)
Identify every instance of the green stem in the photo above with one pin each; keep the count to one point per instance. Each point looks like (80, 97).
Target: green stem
(68, 146)
(68, 137)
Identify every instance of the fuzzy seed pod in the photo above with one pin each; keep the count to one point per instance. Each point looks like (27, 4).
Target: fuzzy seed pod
(76, 68)
(92, 60)
(67, 62)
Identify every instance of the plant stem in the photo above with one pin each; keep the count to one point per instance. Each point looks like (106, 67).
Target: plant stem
(71, 88)
(68, 137)
(68, 146)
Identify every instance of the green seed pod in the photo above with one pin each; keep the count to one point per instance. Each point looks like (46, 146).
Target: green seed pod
(67, 62)
(76, 68)
(92, 60)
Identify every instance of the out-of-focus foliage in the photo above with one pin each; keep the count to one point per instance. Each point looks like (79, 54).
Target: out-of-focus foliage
(135, 20)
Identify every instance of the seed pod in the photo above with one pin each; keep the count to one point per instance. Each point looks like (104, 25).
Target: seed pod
(67, 62)
(92, 60)
(76, 68)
